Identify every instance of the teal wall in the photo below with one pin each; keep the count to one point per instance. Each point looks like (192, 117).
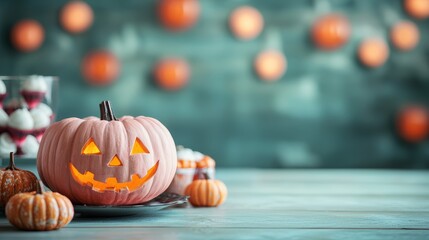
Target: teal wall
(327, 111)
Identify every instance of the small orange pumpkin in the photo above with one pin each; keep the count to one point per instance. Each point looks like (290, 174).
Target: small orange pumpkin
(14, 180)
(331, 31)
(206, 192)
(413, 123)
(27, 35)
(40, 210)
(178, 15)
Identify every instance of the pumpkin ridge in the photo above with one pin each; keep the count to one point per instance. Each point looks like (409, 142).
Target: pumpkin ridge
(155, 141)
(164, 156)
(48, 210)
(219, 190)
(61, 133)
(28, 204)
(39, 218)
(59, 204)
(209, 192)
(17, 186)
(174, 153)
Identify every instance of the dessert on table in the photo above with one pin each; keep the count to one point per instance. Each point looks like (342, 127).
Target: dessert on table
(191, 165)
(24, 112)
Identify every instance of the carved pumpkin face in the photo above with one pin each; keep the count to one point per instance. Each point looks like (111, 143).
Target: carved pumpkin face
(92, 161)
(136, 181)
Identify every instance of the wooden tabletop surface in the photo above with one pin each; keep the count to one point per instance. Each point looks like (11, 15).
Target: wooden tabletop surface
(278, 204)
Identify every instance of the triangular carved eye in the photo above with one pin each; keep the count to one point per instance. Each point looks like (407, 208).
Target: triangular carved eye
(90, 148)
(139, 147)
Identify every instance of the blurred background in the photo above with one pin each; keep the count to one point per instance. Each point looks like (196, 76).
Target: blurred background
(270, 84)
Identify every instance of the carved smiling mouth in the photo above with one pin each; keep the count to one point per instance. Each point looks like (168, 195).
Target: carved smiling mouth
(112, 184)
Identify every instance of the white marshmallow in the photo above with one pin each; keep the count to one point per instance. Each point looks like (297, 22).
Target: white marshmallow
(21, 119)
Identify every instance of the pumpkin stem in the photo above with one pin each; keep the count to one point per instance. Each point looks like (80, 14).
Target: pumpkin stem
(40, 188)
(110, 111)
(12, 162)
(206, 176)
(106, 111)
(103, 115)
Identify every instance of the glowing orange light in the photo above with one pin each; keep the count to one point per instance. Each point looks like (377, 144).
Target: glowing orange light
(270, 65)
(373, 52)
(139, 147)
(178, 14)
(27, 35)
(100, 68)
(172, 74)
(111, 183)
(90, 148)
(115, 162)
(417, 8)
(405, 35)
(331, 31)
(76, 16)
(246, 22)
(413, 124)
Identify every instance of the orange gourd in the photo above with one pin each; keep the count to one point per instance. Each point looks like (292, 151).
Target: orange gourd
(373, 52)
(246, 22)
(40, 210)
(413, 123)
(76, 16)
(331, 31)
(270, 65)
(405, 35)
(206, 192)
(417, 8)
(107, 161)
(27, 35)
(172, 73)
(100, 68)
(178, 15)
(14, 180)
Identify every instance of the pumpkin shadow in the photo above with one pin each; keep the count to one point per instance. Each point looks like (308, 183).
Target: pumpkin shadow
(113, 218)
(6, 229)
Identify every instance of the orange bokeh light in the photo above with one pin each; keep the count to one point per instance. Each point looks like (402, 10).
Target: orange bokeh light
(270, 65)
(27, 35)
(100, 68)
(413, 124)
(405, 35)
(331, 31)
(246, 22)
(178, 14)
(76, 16)
(373, 52)
(172, 74)
(417, 8)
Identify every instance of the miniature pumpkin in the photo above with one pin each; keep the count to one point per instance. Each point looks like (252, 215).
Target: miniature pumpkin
(413, 123)
(246, 22)
(107, 161)
(14, 180)
(172, 73)
(331, 31)
(40, 210)
(206, 192)
(373, 52)
(76, 16)
(27, 35)
(178, 15)
(100, 68)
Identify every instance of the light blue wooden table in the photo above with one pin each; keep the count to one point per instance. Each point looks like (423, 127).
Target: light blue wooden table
(279, 204)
